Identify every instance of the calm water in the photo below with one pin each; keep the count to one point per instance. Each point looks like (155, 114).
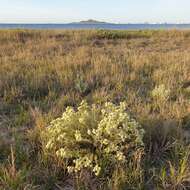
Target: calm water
(96, 26)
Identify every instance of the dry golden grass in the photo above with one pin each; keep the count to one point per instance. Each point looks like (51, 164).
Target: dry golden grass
(45, 71)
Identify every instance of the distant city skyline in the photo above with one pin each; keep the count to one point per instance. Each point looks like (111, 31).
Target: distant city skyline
(120, 11)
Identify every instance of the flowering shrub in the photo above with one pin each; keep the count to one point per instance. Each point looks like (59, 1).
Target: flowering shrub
(93, 137)
(161, 93)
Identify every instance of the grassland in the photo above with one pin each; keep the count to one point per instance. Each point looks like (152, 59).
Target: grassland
(43, 72)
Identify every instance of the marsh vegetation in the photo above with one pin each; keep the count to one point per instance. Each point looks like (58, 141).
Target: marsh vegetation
(45, 73)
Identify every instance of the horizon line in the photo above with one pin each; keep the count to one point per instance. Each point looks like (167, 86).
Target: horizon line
(101, 22)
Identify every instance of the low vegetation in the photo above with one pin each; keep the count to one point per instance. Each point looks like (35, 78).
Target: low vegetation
(94, 109)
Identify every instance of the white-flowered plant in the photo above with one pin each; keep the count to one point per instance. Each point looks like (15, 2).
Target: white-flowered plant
(161, 93)
(93, 136)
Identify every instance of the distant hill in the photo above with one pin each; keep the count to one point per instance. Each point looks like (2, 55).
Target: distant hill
(91, 21)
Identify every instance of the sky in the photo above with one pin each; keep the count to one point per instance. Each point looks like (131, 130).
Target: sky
(117, 11)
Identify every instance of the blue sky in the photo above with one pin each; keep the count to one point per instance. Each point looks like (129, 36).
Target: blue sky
(119, 11)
